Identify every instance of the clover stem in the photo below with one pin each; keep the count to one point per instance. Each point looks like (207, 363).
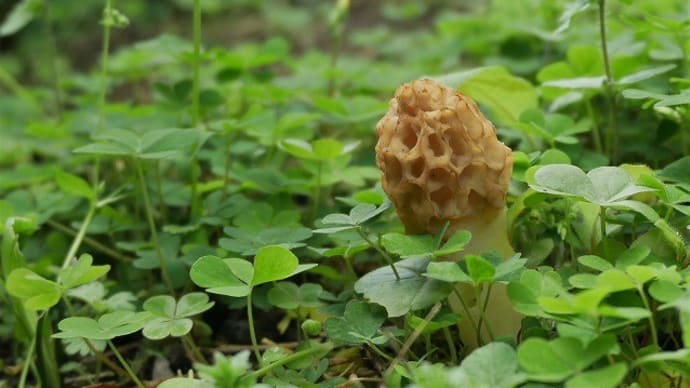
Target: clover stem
(226, 168)
(288, 359)
(612, 133)
(105, 360)
(159, 191)
(317, 190)
(468, 314)
(413, 337)
(79, 237)
(652, 324)
(482, 312)
(252, 333)
(152, 227)
(602, 228)
(27, 361)
(196, 110)
(380, 251)
(125, 365)
(596, 132)
(196, 352)
(451, 346)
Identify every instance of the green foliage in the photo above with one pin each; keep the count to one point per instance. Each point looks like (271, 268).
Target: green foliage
(151, 189)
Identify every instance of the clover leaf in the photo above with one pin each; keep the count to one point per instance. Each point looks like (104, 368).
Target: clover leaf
(413, 291)
(171, 318)
(358, 325)
(108, 326)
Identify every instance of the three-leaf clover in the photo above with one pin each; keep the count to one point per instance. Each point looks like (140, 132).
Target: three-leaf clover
(170, 317)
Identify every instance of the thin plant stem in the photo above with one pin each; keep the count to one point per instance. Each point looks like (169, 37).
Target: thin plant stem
(602, 229)
(194, 348)
(105, 51)
(52, 52)
(252, 333)
(90, 242)
(27, 361)
(652, 324)
(152, 227)
(317, 190)
(482, 313)
(413, 337)
(226, 169)
(79, 237)
(467, 310)
(105, 360)
(197, 60)
(196, 113)
(8, 81)
(612, 133)
(288, 359)
(125, 365)
(380, 251)
(596, 132)
(451, 346)
(159, 191)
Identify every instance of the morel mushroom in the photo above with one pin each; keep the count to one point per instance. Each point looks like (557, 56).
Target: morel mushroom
(442, 163)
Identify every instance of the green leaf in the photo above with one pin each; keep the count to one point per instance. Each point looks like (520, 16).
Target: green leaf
(447, 271)
(171, 317)
(360, 322)
(218, 276)
(678, 170)
(273, 263)
(21, 14)
(289, 296)
(108, 326)
(407, 246)
(479, 269)
(412, 292)
(594, 262)
(82, 272)
(506, 95)
(455, 243)
(565, 356)
(607, 377)
(645, 74)
(494, 365)
(72, 184)
(615, 280)
(604, 186)
(37, 292)
(665, 291)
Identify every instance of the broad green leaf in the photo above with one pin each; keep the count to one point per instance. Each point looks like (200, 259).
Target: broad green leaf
(360, 322)
(615, 280)
(82, 272)
(171, 317)
(407, 246)
(273, 263)
(479, 269)
(506, 95)
(21, 14)
(644, 74)
(665, 291)
(455, 243)
(412, 292)
(192, 304)
(607, 377)
(37, 292)
(72, 184)
(677, 171)
(641, 273)
(604, 186)
(594, 262)
(565, 356)
(108, 326)
(632, 256)
(447, 271)
(492, 366)
(289, 296)
(216, 275)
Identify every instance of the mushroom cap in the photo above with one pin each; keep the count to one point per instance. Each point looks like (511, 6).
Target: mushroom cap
(440, 157)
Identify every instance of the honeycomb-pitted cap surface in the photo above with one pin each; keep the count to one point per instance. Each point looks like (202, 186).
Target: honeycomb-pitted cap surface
(440, 157)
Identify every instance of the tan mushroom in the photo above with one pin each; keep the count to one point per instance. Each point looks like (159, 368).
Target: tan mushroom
(442, 162)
